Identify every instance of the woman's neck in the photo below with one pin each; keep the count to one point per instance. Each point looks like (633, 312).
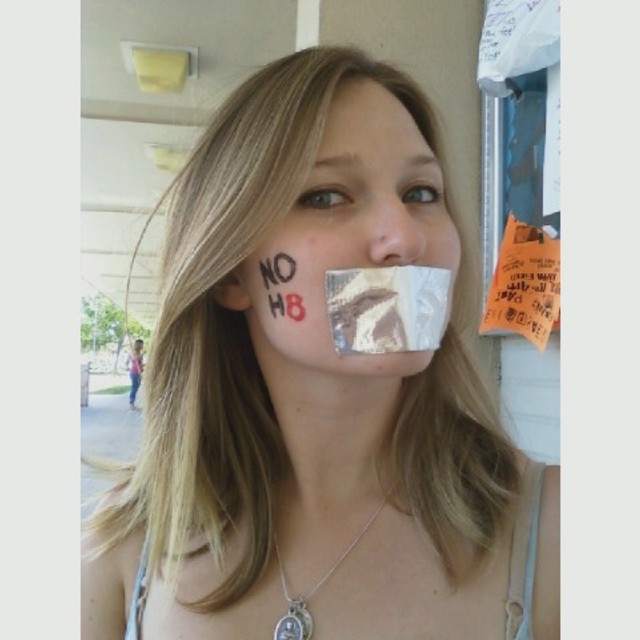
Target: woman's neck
(333, 429)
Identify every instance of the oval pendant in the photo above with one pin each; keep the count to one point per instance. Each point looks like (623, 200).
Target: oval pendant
(289, 627)
(307, 621)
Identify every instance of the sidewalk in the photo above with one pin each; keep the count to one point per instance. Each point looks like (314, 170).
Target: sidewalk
(108, 429)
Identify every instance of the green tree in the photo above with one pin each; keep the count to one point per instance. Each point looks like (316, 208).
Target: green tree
(103, 326)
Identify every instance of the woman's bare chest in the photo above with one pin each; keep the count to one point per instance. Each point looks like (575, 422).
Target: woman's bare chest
(376, 596)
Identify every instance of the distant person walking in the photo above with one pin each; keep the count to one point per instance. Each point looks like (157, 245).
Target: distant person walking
(135, 364)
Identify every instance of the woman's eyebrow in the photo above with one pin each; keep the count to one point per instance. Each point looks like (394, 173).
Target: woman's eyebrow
(349, 159)
(339, 160)
(423, 158)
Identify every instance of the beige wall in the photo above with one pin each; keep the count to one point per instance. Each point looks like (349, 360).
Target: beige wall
(436, 41)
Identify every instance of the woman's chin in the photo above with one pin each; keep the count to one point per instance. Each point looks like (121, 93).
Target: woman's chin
(395, 364)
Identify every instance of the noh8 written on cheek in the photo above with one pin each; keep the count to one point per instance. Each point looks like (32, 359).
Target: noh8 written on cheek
(275, 271)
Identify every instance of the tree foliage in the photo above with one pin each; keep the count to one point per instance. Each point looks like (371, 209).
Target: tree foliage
(103, 326)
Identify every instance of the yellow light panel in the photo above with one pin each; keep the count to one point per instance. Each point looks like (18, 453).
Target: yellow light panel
(160, 71)
(168, 159)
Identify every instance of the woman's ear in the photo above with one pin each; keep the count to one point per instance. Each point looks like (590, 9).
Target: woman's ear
(231, 294)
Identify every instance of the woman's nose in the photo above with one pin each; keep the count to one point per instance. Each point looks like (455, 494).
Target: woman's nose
(396, 237)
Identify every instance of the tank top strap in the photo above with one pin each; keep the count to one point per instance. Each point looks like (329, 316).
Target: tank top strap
(138, 597)
(523, 551)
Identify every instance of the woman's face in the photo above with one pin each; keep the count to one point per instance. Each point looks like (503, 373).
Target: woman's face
(373, 199)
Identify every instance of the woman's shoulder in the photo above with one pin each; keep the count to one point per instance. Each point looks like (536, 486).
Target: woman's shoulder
(107, 578)
(550, 488)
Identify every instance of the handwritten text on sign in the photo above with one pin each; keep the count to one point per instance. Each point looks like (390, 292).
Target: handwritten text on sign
(525, 291)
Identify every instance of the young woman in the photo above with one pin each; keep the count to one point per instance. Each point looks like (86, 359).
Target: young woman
(135, 365)
(321, 457)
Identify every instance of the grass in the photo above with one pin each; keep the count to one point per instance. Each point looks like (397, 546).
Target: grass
(112, 391)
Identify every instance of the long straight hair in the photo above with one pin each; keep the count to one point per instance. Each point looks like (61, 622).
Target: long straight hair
(212, 448)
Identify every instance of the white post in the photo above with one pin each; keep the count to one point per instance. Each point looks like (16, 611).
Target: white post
(307, 24)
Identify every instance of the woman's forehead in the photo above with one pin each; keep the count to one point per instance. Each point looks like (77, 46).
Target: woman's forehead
(363, 108)
(364, 114)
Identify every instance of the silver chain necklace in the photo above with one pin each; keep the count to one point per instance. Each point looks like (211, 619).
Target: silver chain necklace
(297, 623)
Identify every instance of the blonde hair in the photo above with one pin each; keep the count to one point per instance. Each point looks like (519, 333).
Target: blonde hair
(212, 447)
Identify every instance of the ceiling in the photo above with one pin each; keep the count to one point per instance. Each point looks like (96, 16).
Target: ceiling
(119, 182)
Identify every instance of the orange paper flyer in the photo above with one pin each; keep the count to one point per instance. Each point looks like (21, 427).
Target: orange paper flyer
(524, 296)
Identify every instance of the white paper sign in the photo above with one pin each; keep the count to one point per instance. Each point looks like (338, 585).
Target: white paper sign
(518, 36)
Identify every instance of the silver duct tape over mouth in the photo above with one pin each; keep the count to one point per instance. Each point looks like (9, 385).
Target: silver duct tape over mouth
(387, 309)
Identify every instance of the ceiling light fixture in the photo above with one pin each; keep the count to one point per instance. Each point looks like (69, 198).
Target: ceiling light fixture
(166, 157)
(160, 68)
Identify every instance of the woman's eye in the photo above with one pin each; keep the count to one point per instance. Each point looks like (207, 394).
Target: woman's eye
(423, 195)
(324, 199)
